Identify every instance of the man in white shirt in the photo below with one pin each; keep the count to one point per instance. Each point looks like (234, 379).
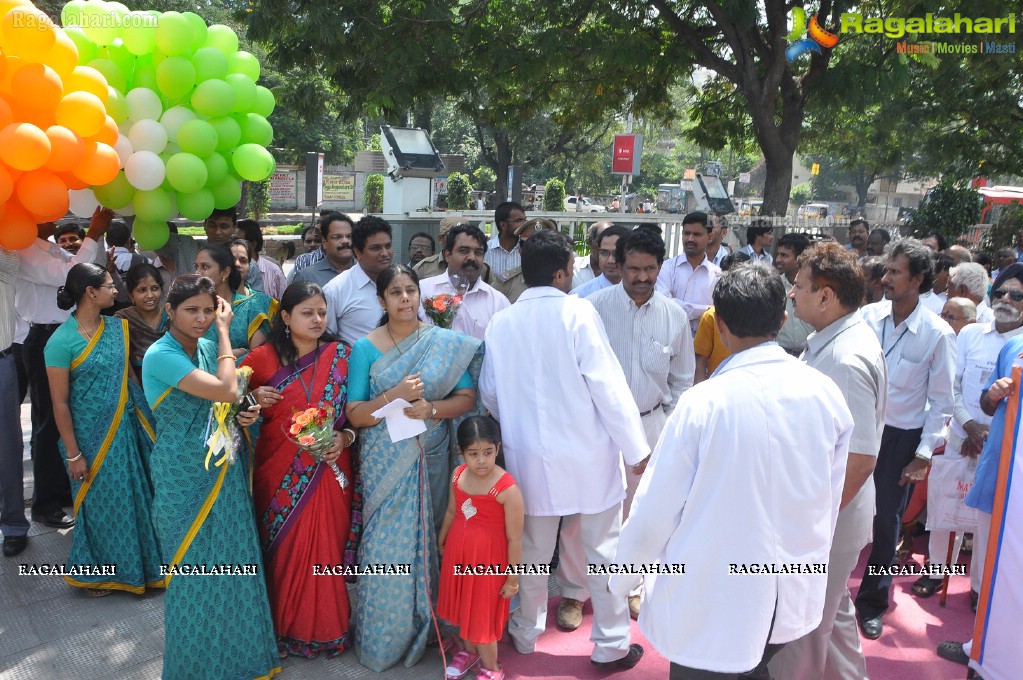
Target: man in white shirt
(353, 309)
(689, 278)
(571, 474)
(588, 268)
(859, 231)
(69, 237)
(43, 269)
(274, 281)
(13, 522)
(715, 472)
(792, 336)
(827, 292)
(759, 237)
(503, 250)
(919, 349)
(464, 248)
(717, 250)
(610, 272)
(935, 298)
(977, 348)
(970, 280)
(119, 237)
(959, 313)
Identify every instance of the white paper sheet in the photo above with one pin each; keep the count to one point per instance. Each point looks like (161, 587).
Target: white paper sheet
(399, 425)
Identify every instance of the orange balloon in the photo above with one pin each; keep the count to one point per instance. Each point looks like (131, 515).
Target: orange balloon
(7, 5)
(11, 66)
(73, 182)
(6, 185)
(87, 79)
(24, 146)
(19, 229)
(108, 135)
(41, 118)
(37, 85)
(66, 149)
(6, 113)
(82, 112)
(63, 56)
(100, 165)
(28, 33)
(43, 194)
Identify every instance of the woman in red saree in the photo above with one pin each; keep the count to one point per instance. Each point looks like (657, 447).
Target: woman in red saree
(303, 502)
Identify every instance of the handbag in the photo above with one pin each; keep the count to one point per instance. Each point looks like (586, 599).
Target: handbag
(949, 481)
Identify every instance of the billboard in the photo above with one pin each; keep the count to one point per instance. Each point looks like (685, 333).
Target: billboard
(626, 153)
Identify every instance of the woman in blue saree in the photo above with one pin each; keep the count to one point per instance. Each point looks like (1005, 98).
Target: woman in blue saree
(252, 310)
(106, 438)
(405, 483)
(216, 626)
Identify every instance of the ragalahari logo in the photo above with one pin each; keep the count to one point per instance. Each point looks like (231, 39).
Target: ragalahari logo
(818, 37)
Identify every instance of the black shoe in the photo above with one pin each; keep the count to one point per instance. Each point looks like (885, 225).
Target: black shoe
(871, 628)
(953, 651)
(974, 599)
(14, 545)
(57, 519)
(626, 662)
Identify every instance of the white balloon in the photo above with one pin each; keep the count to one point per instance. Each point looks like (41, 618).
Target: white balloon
(148, 135)
(124, 149)
(173, 118)
(143, 103)
(172, 149)
(145, 170)
(127, 210)
(83, 202)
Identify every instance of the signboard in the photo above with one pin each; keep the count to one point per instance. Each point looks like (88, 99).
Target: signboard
(626, 154)
(284, 189)
(689, 173)
(440, 185)
(313, 178)
(339, 188)
(744, 178)
(815, 169)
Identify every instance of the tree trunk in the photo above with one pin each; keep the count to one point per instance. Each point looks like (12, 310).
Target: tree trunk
(777, 184)
(504, 159)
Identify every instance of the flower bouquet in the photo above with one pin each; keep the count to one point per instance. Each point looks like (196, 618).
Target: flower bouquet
(313, 430)
(442, 308)
(222, 430)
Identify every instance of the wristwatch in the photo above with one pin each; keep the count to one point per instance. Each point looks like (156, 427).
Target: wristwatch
(433, 410)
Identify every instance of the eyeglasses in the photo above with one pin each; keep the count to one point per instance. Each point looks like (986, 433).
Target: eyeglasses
(1014, 295)
(416, 246)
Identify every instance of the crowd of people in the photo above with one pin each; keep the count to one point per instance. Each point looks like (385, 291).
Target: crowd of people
(613, 414)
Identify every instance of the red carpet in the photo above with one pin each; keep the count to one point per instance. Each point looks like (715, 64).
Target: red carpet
(913, 628)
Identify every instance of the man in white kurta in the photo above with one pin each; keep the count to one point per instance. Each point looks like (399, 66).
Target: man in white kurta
(568, 419)
(756, 453)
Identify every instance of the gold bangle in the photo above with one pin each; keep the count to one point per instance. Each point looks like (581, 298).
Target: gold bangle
(384, 394)
(76, 458)
(350, 431)
(226, 356)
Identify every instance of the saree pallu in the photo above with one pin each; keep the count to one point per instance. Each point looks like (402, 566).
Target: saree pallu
(113, 506)
(141, 335)
(303, 515)
(392, 619)
(252, 312)
(216, 627)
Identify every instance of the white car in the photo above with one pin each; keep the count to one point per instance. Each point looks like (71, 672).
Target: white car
(587, 206)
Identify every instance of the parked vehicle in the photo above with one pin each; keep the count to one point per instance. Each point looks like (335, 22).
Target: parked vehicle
(570, 206)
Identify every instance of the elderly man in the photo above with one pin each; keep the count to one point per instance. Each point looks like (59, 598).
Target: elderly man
(858, 236)
(689, 278)
(570, 475)
(970, 280)
(464, 249)
(920, 351)
(959, 253)
(826, 294)
(353, 308)
(958, 313)
(715, 473)
(610, 271)
(503, 250)
(337, 229)
(587, 269)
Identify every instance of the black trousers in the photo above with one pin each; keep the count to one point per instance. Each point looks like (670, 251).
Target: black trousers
(898, 448)
(22, 374)
(677, 672)
(52, 487)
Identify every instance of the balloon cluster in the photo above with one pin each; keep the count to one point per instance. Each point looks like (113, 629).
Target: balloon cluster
(190, 121)
(55, 132)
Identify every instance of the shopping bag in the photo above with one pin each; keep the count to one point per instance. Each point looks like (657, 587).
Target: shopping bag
(950, 479)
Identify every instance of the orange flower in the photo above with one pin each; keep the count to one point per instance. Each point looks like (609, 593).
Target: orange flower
(304, 419)
(295, 429)
(307, 440)
(311, 411)
(438, 304)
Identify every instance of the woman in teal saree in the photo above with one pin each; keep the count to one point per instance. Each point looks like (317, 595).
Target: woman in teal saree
(405, 483)
(216, 626)
(106, 439)
(252, 310)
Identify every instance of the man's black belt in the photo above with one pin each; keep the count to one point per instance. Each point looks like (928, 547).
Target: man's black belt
(6, 352)
(655, 408)
(46, 326)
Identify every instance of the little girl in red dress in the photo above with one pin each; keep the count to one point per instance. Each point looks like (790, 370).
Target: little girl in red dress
(481, 536)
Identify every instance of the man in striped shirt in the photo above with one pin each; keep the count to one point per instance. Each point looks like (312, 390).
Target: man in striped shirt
(503, 249)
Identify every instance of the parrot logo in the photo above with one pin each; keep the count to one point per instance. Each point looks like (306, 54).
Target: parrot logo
(818, 37)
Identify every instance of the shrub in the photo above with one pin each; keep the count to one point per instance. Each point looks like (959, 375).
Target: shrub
(458, 191)
(950, 209)
(259, 199)
(554, 196)
(484, 179)
(374, 196)
(800, 194)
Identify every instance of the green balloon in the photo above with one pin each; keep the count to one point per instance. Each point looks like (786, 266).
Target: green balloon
(223, 38)
(244, 63)
(210, 63)
(120, 55)
(213, 98)
(100, 23)
(175, 77)
(145, 74)
(264, 102)
(117, 105)
(151, 235)
(227, 193)
(199, 30)
(255, 129)
(197, 205)
(229, 133)
(153, 206)
(87, 49)
(253, 162)
(216, 169)
(71, 14)
(113, 74)
(116, 194)
(186, 173)
(173, 34)
(244, 92)
(197, 137)
(139, 33)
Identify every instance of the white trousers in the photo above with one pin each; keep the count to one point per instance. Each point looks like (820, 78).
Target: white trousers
(980, 540)
(598, 536)
(937, 544)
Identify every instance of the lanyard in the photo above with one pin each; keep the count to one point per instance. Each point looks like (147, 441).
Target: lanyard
(308, 389)
(884, 327)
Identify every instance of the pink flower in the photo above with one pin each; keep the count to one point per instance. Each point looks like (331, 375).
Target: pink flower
(307, 440)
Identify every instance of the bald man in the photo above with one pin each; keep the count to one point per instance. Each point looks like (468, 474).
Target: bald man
(959, 312)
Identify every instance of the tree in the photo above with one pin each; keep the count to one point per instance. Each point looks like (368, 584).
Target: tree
(554, 196)
(950, 209)
(458, 191)
(800, 193)
(374, 194)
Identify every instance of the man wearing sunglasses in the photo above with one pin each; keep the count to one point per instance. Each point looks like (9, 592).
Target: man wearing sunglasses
(920, 351)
